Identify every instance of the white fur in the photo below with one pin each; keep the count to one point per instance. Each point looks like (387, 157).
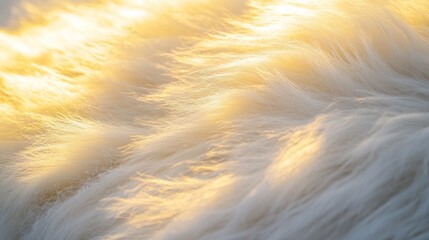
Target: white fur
(224, 120)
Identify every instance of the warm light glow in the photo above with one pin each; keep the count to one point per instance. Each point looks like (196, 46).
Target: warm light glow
(42, 60)
(196, 119)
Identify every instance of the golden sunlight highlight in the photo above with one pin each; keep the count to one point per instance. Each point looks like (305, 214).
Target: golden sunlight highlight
(48, 61)
(214, 119)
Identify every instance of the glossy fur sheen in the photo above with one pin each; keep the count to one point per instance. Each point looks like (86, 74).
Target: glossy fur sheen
(207, 119)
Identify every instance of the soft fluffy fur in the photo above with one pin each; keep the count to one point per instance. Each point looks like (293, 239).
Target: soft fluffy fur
(207, 119)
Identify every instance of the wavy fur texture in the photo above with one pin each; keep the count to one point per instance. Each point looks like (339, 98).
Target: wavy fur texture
(215, 119)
